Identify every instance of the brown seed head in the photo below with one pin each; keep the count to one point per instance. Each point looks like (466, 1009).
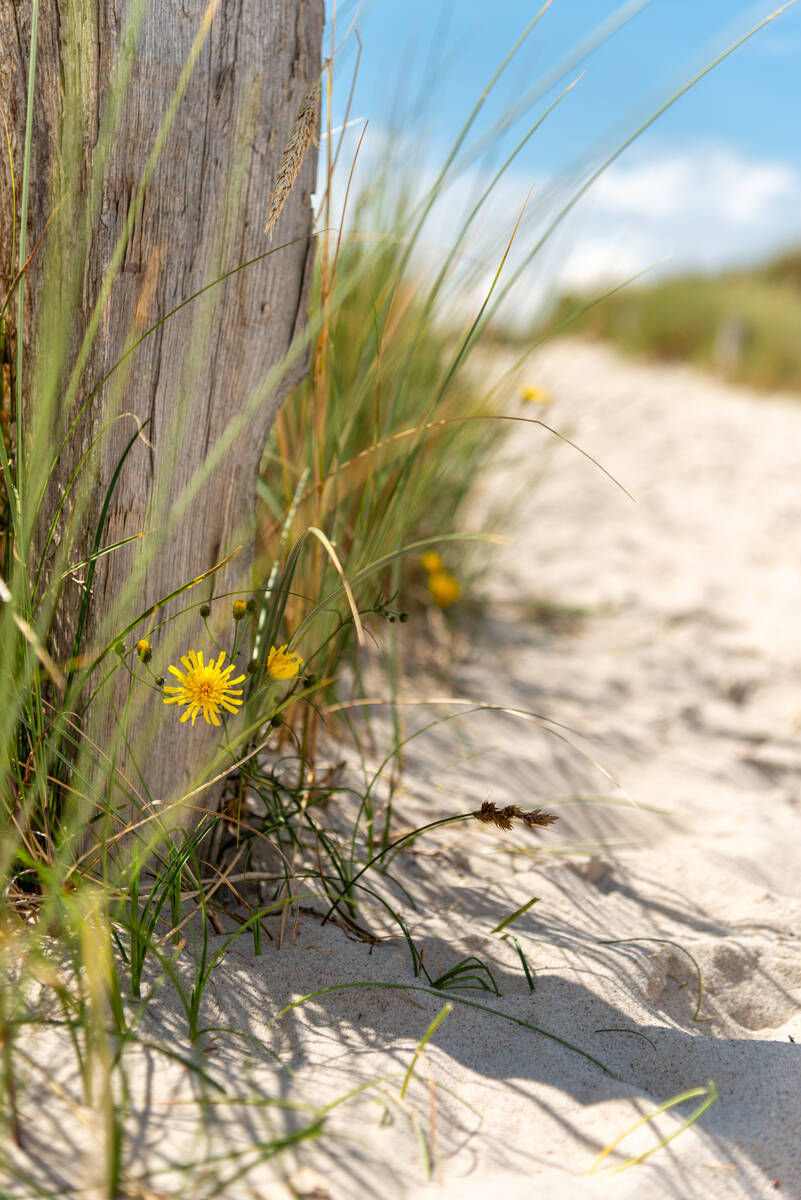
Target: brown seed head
(303, 133)
(504, 818)
(538, 818)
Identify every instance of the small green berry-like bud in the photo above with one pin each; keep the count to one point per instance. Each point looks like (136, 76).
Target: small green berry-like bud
(239, 610)
(160, 681)
(205, 609)
(252, 667)
(277, 721)
(309, 680)
(251, 606)
(403, 617)
(144, 650)
(120, 650)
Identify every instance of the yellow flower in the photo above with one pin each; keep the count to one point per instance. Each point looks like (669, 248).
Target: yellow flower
(283, 663)
(143, 649)
(205, 687)
(431, 561)
(444, 588)
(239, 610)
(537, 395)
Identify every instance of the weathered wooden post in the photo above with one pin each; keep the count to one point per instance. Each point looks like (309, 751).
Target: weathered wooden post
(201, 213)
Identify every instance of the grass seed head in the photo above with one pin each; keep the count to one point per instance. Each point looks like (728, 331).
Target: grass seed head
(303, 133)
(504, 818)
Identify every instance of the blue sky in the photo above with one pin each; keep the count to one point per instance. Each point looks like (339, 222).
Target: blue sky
(716, 179)
(753, 100)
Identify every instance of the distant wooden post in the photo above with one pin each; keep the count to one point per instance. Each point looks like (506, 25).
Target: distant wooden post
(203, 212)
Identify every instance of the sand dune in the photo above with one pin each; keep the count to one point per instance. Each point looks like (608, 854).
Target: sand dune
(672, 656)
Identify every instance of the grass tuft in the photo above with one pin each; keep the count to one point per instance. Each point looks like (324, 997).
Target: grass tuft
(741, 325)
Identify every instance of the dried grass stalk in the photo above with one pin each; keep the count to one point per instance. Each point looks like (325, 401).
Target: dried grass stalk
(303, 134)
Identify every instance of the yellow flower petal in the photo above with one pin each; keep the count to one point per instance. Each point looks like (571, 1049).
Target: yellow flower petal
(282, 663)
(536, 395)
(444, 588)
(431, 561)
(205, 688)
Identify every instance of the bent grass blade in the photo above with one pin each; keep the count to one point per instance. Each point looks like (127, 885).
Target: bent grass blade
(710, 1096)
(677, 946)
(445, 1011)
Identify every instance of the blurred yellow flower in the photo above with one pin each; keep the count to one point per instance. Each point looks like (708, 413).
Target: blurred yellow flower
(144, 650)
(283, 663)
(431, 561)
(205, 687)
(444, 588)
(536, 395)
(239, 610)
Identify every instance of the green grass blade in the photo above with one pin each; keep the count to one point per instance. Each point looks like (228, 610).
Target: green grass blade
(710, 1094)
(517, 913)
(433, 1027)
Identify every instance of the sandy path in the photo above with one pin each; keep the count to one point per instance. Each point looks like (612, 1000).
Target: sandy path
(682, 676)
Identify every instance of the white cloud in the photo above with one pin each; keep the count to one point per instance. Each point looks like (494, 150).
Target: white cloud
(701, 208)
(597, 260)
(696, 184)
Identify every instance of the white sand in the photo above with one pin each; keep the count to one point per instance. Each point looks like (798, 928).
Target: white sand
(683, 678)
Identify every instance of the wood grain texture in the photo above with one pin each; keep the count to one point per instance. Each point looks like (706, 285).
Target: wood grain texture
(203, 213)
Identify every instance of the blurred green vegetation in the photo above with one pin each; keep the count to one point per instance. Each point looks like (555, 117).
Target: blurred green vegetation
(744, 325)
(380, 444)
